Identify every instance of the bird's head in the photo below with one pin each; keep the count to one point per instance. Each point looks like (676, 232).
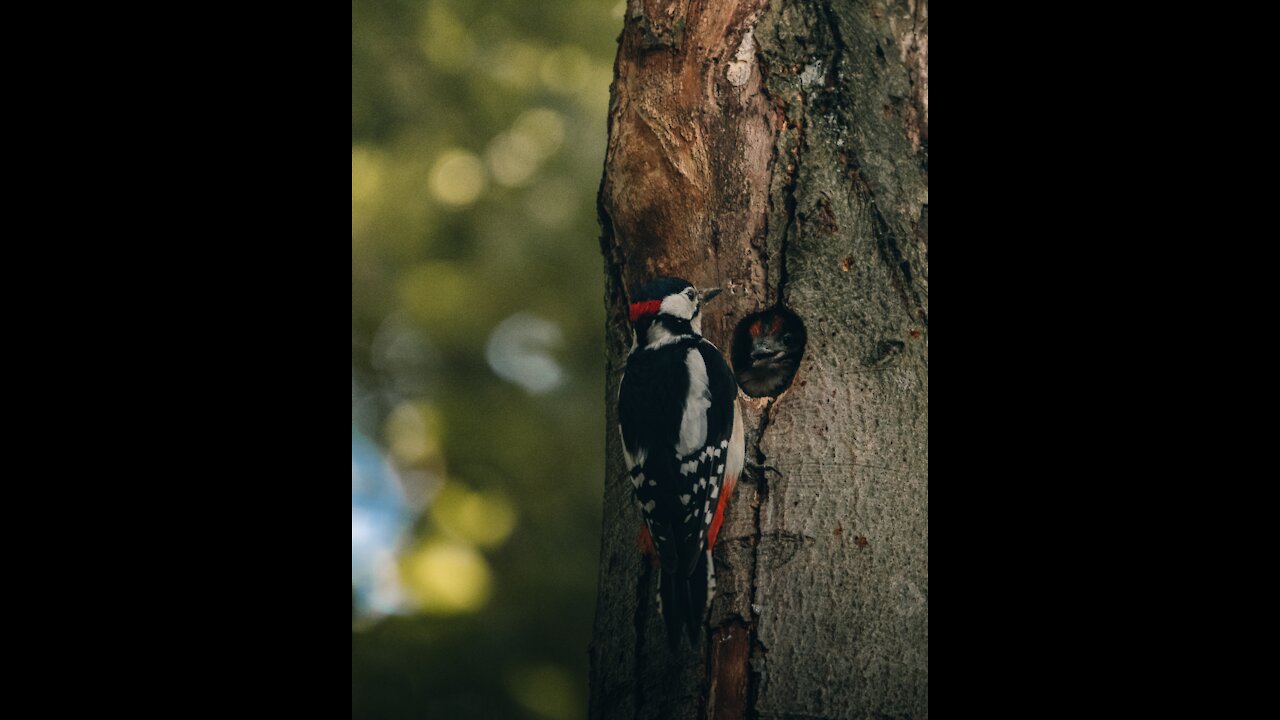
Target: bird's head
(774, 340)
(667, 307)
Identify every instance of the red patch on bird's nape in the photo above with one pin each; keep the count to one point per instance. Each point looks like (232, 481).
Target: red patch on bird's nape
(647, 307)
(776, 325)
(755, 328)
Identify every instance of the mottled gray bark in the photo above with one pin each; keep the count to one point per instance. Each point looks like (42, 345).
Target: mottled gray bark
(779, 149)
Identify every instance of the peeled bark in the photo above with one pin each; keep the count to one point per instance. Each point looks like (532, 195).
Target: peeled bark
(780, 150)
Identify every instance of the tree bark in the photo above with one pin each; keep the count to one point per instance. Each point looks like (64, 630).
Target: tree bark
(779, 149)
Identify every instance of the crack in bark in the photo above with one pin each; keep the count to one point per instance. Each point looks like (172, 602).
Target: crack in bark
(901, 274)
(789, 203)
(838, 47)
(890, 251)
(756, 653)
(755, 656)
(756, 649)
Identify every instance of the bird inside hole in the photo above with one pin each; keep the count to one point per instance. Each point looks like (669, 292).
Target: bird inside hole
(767, 348)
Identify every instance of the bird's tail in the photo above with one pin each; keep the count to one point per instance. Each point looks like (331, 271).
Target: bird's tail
(684, 601)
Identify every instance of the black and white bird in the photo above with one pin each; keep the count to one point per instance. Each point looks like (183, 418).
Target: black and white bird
(682, 438)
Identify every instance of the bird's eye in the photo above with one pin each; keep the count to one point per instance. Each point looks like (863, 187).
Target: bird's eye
(689, 293)
(786, 338)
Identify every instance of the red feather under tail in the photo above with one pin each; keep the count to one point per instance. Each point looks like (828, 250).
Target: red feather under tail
(730, 481)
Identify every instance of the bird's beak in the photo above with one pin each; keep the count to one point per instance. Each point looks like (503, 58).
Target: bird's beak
(708, 294)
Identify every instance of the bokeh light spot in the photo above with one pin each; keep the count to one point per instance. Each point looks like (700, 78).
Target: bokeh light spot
(367, 171)
(518, 351)
(413, 433)
(543, 127)
(368, 182)
(457, 178)
(513, 158)
(379, 519)
(516, 64)
(482, 518)
(406, 356)
(444, 40)
(566, 69)
(447, 577)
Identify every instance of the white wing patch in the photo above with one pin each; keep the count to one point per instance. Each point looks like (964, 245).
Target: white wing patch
(633, 461)
(693, 425)
(734, 456)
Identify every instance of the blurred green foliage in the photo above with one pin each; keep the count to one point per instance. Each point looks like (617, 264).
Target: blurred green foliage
(477, 143)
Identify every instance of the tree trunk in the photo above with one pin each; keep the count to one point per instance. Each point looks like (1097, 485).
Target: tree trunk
(780, 150)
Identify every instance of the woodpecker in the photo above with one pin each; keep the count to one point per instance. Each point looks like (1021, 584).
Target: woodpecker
(766, 352)
(682, 438)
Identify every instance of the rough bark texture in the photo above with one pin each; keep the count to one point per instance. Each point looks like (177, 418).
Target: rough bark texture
(779, 149)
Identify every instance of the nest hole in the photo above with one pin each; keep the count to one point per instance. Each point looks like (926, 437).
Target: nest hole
(767, 349)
